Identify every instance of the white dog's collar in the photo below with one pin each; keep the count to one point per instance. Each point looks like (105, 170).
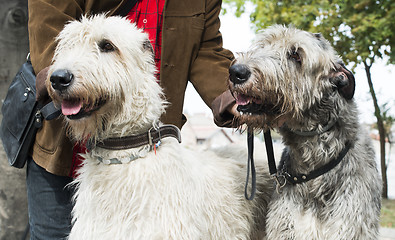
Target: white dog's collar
(147, 142)
(151, 137)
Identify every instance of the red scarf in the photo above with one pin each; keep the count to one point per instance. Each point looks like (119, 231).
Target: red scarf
(148, 15)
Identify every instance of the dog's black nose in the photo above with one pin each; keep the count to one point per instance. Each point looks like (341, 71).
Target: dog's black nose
(239, 73)
(61, 79)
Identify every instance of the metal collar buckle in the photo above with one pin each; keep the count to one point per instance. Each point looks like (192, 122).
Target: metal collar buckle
(151, 138)
(280, 180)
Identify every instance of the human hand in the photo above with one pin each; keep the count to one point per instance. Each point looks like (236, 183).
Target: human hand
(233, 110)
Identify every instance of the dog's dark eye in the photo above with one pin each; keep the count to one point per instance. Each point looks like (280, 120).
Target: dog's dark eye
(106, 46)
(148, 46)
(295, 56)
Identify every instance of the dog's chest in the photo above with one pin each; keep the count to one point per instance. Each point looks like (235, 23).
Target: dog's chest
(150, 198)
(128, 195)
(301, 218)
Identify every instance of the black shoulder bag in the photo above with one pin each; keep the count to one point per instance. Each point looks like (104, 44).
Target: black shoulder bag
(22, 116)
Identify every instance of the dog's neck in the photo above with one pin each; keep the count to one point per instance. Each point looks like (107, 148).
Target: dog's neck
(312, 149)
(317, 130)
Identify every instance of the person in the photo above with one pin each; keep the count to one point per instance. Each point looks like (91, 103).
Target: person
(188, 47)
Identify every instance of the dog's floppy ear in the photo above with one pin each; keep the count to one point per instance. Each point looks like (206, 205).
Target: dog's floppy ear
(344, 81)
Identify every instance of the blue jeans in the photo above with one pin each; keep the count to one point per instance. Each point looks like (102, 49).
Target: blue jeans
(49, 203)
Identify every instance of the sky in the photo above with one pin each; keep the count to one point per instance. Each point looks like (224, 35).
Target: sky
(237, 37)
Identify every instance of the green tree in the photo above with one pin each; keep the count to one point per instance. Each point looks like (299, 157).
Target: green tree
(361, 31)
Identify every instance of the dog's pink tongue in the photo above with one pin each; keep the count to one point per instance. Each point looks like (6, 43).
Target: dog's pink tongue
(242, 99)
(71, 107)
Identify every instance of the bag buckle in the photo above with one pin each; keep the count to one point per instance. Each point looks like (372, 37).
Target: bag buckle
(38, 119)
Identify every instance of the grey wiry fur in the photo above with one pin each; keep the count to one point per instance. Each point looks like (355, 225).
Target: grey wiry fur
(294, 81)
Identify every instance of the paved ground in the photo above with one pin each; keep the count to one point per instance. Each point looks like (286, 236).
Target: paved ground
(13, 203)
(387, 234)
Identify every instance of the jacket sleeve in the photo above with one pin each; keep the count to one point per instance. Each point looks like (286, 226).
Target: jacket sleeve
(209, 71)
(46, 20)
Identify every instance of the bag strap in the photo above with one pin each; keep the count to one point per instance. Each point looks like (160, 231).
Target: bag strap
(49, 111)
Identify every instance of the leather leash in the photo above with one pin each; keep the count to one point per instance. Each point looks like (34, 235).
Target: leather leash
(283, 176)
(251, 164)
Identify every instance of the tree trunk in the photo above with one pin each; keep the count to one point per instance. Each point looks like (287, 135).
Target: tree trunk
(381, 129)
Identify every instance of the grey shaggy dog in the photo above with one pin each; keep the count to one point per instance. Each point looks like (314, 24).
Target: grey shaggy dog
(293, 80)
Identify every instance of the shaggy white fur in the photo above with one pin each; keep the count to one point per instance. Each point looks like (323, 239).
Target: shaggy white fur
(175, 193)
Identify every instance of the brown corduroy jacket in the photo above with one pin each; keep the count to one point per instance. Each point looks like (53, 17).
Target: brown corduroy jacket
(191, 51)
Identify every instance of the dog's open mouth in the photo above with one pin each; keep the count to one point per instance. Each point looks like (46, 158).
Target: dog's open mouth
(76, 109)
(253, 105)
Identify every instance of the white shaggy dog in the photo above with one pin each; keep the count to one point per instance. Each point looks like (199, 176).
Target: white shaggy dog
(102, 77)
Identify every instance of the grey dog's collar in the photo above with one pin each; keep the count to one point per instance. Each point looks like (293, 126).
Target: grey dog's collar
(301, 178)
